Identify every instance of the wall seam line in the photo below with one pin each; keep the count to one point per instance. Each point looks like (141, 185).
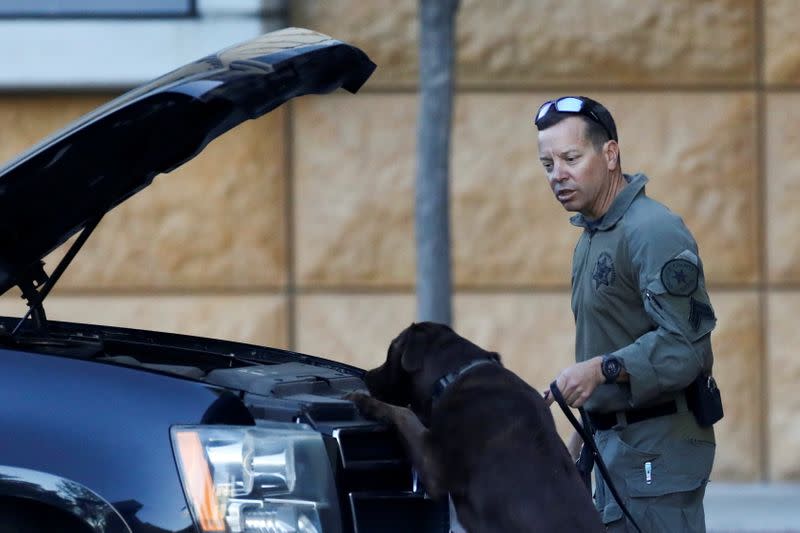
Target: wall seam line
(763, 248)
(291, 283)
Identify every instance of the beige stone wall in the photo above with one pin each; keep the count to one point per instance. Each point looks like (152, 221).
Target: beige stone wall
(296, 230)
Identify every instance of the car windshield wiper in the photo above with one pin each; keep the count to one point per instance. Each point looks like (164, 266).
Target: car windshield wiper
(75, 346)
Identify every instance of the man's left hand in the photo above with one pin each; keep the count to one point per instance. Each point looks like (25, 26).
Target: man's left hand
(578, 382)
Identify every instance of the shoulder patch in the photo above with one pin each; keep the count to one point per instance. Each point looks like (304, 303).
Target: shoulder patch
(680, 277)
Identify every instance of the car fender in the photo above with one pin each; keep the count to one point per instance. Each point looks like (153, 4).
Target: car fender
(62, 494)
(106, 427)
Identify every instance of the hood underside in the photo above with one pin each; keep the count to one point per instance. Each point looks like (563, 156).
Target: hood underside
(71, 179)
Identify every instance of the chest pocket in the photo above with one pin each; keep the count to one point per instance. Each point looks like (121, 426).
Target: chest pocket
(604, 272)
(608, 291)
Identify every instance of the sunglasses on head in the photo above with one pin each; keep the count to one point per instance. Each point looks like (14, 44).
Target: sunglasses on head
(571, 104)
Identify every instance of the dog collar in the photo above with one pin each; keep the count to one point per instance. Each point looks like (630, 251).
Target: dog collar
(444, 382)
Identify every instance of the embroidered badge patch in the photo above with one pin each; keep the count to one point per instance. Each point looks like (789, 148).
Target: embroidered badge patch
(679, 277)
(604, 273)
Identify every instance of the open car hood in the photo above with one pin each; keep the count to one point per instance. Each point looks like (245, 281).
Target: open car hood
(70, 180)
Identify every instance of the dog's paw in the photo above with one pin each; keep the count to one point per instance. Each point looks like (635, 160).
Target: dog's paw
(354, 393)
(368, 406)
(360, 398)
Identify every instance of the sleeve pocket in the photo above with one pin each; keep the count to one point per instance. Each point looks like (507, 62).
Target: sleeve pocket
(691, 316)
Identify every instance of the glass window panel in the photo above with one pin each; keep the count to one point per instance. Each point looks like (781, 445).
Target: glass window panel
(116, 8)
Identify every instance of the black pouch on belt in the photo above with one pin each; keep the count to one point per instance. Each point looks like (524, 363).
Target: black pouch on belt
(704, 400)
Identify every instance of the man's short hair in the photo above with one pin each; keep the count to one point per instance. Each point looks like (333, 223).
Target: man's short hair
(597, 131)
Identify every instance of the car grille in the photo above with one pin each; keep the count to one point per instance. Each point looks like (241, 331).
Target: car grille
(377, 489)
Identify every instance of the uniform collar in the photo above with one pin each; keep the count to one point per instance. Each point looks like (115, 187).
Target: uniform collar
(618, 207)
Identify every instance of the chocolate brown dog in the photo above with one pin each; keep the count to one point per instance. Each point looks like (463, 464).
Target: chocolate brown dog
(477, 431)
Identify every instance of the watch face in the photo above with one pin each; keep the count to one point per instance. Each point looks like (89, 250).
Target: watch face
(611, 368)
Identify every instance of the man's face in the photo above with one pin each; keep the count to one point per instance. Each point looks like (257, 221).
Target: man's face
(578, 174)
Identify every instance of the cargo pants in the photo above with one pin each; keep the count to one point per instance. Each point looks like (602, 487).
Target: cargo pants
(660, 468)
(671, 513)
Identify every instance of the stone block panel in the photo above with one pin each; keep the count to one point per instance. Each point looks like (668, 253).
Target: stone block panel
(508, 229)
(26, 120)
(699, 150)
(355, 174)
(387, 30)
(257, 318)
(534, 334)
(782, 42)
(738, 360)
(783, 431)
(355, 195)
(216, 222)
(354, 190)
(352, 328)
(524, 43)
(783, 189)
(631, 42)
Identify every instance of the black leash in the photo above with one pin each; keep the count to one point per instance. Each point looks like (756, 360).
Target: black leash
(588, 440)
(585, 462)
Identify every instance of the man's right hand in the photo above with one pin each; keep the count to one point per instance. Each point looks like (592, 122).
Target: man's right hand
(578, 382)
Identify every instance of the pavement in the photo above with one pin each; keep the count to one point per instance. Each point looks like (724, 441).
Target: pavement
(752, 507)
(748, 508)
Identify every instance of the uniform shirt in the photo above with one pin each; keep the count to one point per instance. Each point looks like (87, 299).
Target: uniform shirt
(638, 292)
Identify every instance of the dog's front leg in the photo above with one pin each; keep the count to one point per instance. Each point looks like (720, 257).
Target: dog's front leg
(415, 436)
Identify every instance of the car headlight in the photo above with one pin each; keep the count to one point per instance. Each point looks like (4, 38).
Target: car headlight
(270, 478)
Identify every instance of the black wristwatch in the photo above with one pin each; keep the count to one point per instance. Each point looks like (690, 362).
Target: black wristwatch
(611, 367)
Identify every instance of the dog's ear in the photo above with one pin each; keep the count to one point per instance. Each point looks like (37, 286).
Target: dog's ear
(421, 338)
(416, 339)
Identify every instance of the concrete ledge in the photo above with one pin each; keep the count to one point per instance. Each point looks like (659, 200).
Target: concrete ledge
(76, 54)
(752, 508)
(118, 53)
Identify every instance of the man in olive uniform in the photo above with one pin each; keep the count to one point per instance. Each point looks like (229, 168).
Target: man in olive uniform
(643, 320)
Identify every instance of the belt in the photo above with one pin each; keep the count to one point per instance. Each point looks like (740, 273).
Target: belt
(603, 421)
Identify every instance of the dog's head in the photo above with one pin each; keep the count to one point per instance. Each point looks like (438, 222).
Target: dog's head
(420, 355)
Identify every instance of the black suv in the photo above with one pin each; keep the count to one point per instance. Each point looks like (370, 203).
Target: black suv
(120, 430)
